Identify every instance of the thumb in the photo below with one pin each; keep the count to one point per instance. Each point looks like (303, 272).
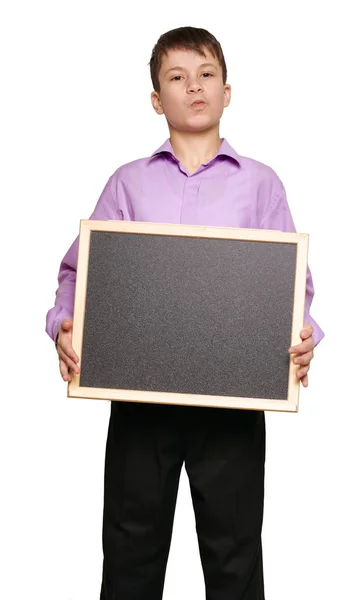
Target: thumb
(67, 324)
(306, 332)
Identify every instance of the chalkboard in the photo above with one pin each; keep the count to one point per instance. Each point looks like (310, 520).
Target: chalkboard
(188, 315)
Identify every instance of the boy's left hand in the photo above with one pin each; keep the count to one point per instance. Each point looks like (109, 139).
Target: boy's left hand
(304, 352)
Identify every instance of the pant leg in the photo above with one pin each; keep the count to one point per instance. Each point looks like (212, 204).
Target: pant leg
(142, 468)
(225, 455)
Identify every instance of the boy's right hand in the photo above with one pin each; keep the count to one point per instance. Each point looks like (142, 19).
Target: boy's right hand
(66, 354)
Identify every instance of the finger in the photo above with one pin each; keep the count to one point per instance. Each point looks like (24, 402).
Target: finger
(68, 350)
(305, 381)
(70, 363)
(64, 371)
(305, 346)
(306, 334)
(304, 359)
(303, 371)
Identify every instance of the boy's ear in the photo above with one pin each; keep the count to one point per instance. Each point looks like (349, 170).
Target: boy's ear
(227, 94)
(156, 103)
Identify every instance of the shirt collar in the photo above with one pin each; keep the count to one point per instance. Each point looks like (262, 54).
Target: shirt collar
(224, 150)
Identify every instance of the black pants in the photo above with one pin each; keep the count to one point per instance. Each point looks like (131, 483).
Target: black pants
(224, 455)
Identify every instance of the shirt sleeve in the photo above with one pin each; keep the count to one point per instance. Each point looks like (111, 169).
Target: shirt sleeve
(107, 208)
(278, 216)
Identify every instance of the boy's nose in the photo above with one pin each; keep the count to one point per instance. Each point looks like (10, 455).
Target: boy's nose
(195, 86)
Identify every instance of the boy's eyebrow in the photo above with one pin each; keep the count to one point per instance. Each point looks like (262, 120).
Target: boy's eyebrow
(182, 68)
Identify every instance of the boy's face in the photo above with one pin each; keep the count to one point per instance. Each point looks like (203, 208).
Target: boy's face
(187, 77)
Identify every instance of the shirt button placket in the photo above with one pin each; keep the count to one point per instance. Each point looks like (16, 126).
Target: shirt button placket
(189, 213)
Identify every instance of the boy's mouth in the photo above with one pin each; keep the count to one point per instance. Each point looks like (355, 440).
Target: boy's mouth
(198, 104)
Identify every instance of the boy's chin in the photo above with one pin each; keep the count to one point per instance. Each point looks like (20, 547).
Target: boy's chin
(195, 126)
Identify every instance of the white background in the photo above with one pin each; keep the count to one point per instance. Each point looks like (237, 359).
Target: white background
(75, 106)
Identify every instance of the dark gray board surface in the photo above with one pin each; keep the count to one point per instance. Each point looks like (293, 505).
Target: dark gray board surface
(188, 315)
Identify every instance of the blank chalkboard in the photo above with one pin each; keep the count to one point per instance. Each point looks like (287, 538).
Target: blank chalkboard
(188, 315)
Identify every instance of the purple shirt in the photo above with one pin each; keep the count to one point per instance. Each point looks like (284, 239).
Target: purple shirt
(228, 191)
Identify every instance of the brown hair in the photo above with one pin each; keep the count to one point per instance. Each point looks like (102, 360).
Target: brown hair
(189, 38)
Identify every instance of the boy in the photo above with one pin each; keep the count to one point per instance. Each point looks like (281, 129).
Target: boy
(195, 178)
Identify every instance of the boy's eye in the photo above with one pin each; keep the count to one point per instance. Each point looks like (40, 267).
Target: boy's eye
(178, 77)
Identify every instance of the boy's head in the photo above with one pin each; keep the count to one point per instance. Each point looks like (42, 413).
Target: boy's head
(188, 65)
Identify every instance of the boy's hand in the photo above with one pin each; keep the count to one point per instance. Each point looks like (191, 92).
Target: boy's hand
(66, 354)
(304, 352)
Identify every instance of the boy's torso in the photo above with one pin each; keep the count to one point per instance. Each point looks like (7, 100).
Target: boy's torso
(229, 191)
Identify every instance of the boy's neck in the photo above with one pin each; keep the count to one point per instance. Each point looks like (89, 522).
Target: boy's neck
(195, 149)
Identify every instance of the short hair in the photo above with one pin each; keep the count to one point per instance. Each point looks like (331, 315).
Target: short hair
(189, 38)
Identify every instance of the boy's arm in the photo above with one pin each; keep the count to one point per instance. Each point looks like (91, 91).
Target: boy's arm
(106, 209)
(277, 215)
(64, 301)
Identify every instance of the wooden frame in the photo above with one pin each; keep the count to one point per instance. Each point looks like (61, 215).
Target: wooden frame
(87, 226)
